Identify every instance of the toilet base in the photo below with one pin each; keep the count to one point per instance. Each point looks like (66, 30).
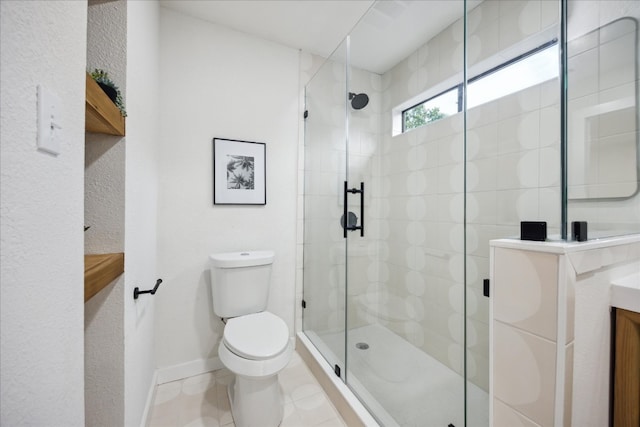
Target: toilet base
(261, 403)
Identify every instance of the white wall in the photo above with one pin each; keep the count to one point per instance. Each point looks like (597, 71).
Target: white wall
(42, 293)
(141, 205)
(219, 83)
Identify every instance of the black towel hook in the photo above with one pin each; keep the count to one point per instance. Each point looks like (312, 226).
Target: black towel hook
(137, 292)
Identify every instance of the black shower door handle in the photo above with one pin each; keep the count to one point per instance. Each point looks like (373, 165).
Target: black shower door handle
(345, 224)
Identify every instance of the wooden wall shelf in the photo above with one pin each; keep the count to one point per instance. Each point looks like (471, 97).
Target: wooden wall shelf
(100, 270)
(101, 114)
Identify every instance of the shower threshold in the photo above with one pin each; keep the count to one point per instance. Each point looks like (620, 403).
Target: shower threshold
(389, 375)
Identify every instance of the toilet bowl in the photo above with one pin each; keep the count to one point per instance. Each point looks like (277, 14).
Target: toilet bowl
(256, 344)
(256, 347)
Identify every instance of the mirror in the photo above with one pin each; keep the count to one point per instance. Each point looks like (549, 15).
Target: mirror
(603, 113)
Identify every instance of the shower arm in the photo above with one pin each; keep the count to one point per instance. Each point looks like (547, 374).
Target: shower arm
(346, 225)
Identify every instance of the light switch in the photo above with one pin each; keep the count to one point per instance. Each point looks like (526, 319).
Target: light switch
(48, 121)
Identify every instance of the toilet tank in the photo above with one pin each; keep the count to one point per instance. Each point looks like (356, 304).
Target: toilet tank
(240, 282)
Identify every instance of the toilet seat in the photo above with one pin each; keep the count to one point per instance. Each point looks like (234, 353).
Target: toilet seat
(258, 336)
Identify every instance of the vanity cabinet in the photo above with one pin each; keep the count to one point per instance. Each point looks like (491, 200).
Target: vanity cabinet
(626, 387)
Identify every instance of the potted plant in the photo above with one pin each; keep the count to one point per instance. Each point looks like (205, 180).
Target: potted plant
(109, 87)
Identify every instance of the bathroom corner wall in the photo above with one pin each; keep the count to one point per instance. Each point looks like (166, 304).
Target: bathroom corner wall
(235, 86)
(551, 329)
(41, 204)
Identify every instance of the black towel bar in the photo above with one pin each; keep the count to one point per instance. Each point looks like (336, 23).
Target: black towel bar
(137, 292)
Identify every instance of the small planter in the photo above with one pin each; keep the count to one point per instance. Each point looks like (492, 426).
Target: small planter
(108, 86)
(111, 92)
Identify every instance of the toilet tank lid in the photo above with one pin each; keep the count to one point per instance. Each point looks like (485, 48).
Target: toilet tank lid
(242, 259)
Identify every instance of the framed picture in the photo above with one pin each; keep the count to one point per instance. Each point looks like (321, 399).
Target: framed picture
(239, 172)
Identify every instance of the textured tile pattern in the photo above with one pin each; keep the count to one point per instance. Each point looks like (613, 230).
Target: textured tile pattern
(202, 400)
(524, 297)
(533, 337)
(525, 326)
(525, 367)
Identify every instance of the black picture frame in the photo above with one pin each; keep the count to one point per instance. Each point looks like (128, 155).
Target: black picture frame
(239, 172)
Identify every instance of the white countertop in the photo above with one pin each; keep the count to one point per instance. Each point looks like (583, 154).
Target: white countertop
(564, 247)
(625, 293)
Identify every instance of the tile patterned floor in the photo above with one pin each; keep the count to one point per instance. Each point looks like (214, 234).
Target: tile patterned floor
(202, 400)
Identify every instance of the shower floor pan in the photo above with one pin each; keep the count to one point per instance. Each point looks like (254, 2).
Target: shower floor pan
(402, 385)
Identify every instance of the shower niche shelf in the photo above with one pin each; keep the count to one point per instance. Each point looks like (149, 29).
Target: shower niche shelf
(101, 115)
(100, 270)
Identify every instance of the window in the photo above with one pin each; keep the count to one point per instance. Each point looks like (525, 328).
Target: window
(432, 109)
(532, 68)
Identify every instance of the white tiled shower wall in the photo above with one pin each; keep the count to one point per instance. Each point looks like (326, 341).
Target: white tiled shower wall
(512, 174)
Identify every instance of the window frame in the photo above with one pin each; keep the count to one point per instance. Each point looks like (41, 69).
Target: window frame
(460, 86)
(451, 89)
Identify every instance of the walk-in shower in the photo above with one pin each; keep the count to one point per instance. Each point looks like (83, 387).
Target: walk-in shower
(466, 133)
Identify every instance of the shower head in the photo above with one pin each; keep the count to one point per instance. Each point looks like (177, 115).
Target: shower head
(358, 101)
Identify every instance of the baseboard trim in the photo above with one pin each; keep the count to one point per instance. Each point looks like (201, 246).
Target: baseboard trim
(151, 396)
(188, 369)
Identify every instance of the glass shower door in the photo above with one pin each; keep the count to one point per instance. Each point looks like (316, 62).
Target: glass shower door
(324, 278)
(405, 276)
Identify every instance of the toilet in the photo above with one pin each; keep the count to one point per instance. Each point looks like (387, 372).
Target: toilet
(255, 345)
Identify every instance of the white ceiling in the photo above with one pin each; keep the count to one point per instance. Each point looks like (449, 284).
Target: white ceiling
(388, 33)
